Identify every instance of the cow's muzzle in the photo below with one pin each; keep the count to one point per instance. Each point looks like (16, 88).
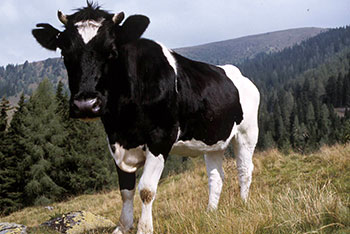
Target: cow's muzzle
(86, 108)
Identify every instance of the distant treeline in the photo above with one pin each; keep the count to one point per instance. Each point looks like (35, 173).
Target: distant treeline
(17, 79)
(300, 87)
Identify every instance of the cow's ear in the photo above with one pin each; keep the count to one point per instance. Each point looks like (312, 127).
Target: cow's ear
(133, 28)
(46, 35)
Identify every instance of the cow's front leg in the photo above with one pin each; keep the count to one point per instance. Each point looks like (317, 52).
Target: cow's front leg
(127, 190)
(152, 171)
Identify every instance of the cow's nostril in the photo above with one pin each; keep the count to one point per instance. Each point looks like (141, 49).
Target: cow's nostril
(96, 105)
(87, 107)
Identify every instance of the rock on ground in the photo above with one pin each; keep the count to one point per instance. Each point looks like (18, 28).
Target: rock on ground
(78, 222)
(12, 228)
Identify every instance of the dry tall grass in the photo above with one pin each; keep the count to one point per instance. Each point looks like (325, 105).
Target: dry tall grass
(289, 194)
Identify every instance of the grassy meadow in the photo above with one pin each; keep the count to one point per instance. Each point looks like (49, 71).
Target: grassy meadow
(291, 193)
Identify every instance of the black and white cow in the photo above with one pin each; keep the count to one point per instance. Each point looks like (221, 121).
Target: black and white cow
(153, 103)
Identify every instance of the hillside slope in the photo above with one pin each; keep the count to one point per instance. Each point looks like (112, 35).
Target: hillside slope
(235, 51)
(290, 194)
(25, 78)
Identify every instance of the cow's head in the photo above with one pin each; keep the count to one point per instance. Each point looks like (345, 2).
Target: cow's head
(90, 47)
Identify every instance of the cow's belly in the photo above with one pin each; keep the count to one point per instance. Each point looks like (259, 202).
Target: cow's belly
(128, 160)
(194, 148)
(132, 159)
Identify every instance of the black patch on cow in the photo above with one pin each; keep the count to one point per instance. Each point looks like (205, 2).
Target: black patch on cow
(208, 102)
(142, 107)
(146, 109)
(126, 180)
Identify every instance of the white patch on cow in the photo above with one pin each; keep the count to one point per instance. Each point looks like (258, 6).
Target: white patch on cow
(213, 162)
(245, 141)
(171, 60)
(88, 29)
(249, 99)
(178, 134)
(148, 184)
(128, 160)
(126, 220)
(249, 95)
(194, 148)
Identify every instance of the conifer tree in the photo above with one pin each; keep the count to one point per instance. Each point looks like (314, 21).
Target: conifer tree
(44, 147)
(281, 135)
(339, 91)
(345, 138)
(7, 170)
(62, 102)
(346, 90)
(331, 91)
(4, 108)
(297, 137)
(16, 152)
(87, 164)
(335, 125)
(91, 166)
(323, 125)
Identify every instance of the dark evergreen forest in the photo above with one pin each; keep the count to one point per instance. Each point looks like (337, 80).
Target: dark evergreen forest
(45, 156)
(305, 93)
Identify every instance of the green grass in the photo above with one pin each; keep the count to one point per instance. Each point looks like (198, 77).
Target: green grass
(290, 194)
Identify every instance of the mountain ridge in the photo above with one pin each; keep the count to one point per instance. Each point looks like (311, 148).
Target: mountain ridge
(247, 47)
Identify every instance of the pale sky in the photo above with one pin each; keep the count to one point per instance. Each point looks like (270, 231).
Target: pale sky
(175, 23)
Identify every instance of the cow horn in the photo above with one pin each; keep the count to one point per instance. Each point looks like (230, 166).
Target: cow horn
(117, 18)
(62, 17)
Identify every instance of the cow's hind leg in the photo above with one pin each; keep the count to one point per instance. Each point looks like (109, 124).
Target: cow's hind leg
(244, 144)
(127, 190)
(213, 162)
(148, 184)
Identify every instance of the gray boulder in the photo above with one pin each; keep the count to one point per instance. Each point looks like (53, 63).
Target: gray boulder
(12, 228)
(78, 222)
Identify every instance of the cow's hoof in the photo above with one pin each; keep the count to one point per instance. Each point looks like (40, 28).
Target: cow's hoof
(144, 229)
(143, 232)
(120, 230)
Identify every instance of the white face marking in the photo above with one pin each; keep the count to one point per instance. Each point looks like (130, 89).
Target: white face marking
(88, 29)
